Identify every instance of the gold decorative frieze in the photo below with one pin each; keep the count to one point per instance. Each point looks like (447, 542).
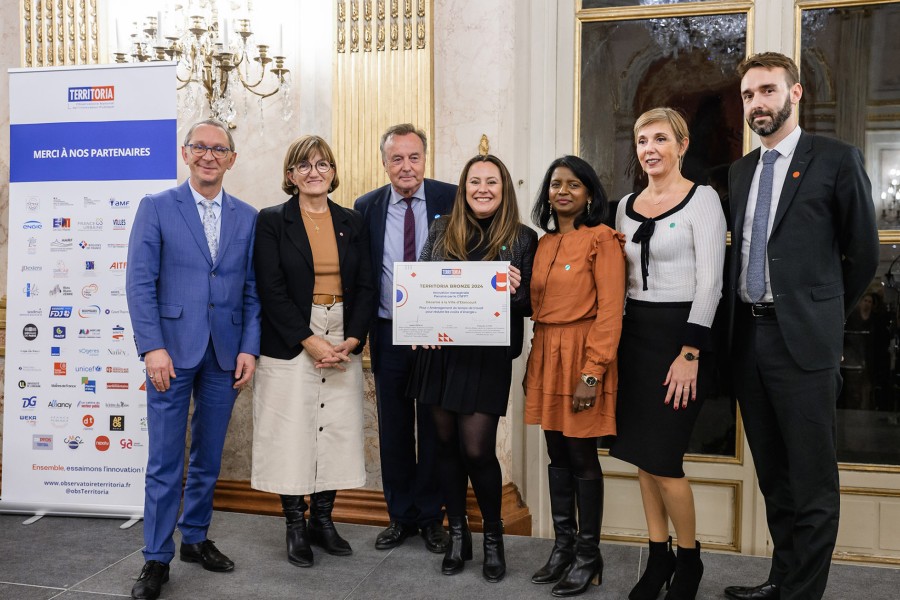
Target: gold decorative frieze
(354, 25)
(395, 27)
(59, 32)
(379, 81)
(376, 26)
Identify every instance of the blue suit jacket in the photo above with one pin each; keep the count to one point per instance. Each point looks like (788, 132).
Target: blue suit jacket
(178, 298)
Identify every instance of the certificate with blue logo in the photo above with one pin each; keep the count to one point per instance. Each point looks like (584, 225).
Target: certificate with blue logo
(451, 303)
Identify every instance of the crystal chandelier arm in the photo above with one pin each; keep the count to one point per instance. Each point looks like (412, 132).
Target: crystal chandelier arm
(191, 62)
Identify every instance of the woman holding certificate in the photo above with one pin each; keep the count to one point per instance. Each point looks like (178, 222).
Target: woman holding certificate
(676, 249)
(467, 387)
(312, 263)
(577, 295)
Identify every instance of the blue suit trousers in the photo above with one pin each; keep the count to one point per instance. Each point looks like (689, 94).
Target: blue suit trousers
(167, 414)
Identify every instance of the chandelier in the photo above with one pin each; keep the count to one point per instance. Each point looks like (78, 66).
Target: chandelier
(218, 56)
(722, 36)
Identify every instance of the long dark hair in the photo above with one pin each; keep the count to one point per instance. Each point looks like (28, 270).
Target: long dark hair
(596, 209)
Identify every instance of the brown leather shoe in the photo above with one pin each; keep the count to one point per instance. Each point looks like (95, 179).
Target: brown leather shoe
(207, 555)
(150, 582)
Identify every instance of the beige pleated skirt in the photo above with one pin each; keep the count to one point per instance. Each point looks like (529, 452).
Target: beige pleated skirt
(308, 422)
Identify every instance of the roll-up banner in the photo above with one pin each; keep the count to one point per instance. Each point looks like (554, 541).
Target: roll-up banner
(86, 144)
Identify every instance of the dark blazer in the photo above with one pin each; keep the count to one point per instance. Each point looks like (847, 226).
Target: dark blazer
(285, 276)
(823, 248)
(373, 206)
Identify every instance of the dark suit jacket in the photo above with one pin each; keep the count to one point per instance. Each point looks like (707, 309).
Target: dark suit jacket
(823, 248)
(373, 206)
(285, 276)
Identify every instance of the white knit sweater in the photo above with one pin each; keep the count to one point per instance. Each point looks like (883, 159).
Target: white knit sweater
(687, 252)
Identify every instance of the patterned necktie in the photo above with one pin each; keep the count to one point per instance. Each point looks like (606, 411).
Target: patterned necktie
(209, 228)
(409, 233)
(756, 265)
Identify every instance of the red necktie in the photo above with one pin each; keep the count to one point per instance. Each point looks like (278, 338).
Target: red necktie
(409, 233)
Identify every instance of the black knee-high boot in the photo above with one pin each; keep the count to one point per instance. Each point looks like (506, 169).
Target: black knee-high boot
(660, 566)
(298, 551)
(587, 567)
(460, 548)
(494, 554)
(688, 572)
(321, 528)
(562, 508)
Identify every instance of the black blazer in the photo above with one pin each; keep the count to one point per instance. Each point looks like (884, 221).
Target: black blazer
(823, 248)
(373, 206)
(285, 276)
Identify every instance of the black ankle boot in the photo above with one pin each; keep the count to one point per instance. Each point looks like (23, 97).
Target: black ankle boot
(660, 566)
(587, 567)
(321, 528)
(494, 557)
(298, 551)
(562, 508)
(688, 572)
(460, 548)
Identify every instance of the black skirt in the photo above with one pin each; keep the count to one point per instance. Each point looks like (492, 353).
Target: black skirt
(463, 379)
(651, 434)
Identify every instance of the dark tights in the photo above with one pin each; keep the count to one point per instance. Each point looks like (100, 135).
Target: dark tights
(467, 450)
(578, 455)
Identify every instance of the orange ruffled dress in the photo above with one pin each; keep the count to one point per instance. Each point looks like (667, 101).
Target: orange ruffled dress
(577, 295)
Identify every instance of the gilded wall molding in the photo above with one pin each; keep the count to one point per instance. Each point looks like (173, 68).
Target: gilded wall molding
(735, 487)
(382, 76)
(59, 32)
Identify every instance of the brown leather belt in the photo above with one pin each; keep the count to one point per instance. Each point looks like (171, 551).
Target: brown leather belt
(326, 299)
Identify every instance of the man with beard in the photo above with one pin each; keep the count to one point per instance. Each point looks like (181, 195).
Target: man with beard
(805, 249)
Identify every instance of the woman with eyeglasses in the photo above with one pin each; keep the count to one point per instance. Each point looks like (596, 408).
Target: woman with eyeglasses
(316, 290)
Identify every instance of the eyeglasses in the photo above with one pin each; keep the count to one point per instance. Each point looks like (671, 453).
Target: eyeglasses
(323, 166)
(200, 150)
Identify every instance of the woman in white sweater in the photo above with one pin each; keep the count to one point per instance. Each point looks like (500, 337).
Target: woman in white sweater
(675, 249)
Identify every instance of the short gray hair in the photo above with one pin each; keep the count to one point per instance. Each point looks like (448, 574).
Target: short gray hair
(402, 129)
(214, 123)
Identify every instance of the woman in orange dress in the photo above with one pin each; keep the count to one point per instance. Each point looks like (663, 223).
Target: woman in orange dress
(577, 296)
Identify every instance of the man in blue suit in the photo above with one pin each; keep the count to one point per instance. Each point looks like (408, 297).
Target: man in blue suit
(195, 314)
(398, 216)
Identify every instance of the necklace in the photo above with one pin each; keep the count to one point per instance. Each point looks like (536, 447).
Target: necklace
(308, 216)
(661, 198)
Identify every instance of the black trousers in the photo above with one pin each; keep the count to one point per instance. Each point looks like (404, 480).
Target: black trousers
(409, 477)
(789, 416)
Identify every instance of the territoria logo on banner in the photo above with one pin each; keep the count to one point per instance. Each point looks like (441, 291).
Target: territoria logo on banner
(96, 93)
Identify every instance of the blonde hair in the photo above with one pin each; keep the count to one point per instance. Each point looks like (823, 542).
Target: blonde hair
(463, 225)
(670, 116)
(302, 149)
